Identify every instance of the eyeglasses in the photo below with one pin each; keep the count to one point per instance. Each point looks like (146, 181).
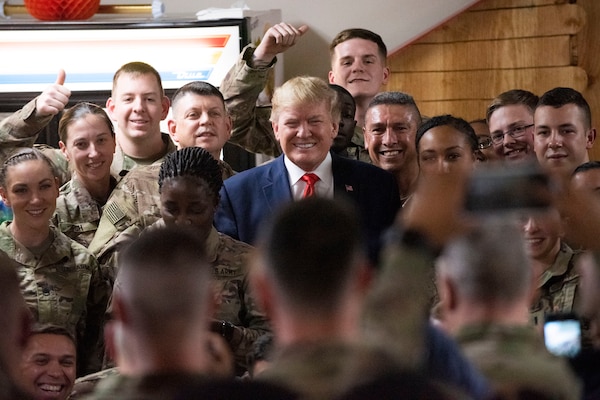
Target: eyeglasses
(516, 132)
(483, 142)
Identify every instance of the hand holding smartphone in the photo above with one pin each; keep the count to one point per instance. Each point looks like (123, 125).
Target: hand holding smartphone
(562, 334)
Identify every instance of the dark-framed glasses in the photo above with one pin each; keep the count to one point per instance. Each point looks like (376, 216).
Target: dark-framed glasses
(515, 133)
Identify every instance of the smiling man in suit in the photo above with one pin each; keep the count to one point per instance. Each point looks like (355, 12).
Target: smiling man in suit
(305, 119)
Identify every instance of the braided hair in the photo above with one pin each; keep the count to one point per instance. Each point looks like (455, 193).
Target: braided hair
(193, 162)
(21, 155)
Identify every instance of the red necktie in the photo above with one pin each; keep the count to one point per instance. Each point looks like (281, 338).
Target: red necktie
(310, 180)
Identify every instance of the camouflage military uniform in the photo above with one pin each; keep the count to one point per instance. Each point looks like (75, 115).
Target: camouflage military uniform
(514, 357)
(356, 150)
(557, 286)
(135, 197)
(400, 288)
(327, 370)
(86, 384)
(150, 387)
(63, 286)
(77, 214)
(235, 302)
(22, 128)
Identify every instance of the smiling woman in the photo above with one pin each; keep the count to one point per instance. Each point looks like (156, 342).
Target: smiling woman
(87, 140)
(59, 279)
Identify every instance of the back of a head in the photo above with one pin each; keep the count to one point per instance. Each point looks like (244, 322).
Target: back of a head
(164, 277)
(561, 96)
(311, 250)
(304, 90)
(489, 264)
(512, 97)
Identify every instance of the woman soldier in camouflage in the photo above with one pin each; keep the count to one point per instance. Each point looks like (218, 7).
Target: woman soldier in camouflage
(60, 280)
(189, 183)
(87, 140)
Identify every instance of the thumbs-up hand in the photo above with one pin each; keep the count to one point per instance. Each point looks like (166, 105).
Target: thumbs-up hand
(277, 39)
(54, 98)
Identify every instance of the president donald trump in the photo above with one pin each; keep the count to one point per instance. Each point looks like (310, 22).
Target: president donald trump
(305, 118)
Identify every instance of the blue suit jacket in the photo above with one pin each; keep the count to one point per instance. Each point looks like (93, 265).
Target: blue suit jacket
(250, 197)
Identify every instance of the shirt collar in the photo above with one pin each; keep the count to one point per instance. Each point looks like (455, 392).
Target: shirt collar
(212, 245)
(323, 171)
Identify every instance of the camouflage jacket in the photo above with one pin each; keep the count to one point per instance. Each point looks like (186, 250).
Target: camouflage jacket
(65, 287)
(135, 197)
(514, 358)
(235, 302)
(86, 385)
(400, 289)
(326, 370)
(22, 128)
(150, 387)
(557, 287)
(241, 88)
(77, 214)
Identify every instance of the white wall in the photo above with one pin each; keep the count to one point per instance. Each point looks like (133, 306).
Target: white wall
(397, 21)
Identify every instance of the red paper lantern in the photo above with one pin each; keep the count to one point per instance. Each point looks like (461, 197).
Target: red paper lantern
(60, 10)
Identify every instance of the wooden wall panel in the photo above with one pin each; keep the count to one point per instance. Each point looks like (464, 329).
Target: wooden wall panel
(510, 23)
(499, 45)
(466, 109)
(495, 4)
(552, 51)
(455, 85)
(589, 50)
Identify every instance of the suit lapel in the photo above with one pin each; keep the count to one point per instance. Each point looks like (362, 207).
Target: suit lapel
(344, 181)
(276, 188)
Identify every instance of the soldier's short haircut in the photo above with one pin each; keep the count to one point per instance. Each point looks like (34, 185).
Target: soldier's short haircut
(457, 123)
(395, 98)
(586, 166)
(489, 264)
(21, 155)
(342, 91)
(137, 68)
(193, 162)
(52, 329)
(198, 88)
(303, 90)
(512, 97)
(561, 96)
(164, 277)
(78, 111)
(311, 249)
(359, 33)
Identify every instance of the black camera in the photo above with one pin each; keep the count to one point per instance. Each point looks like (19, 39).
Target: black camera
(504, 188)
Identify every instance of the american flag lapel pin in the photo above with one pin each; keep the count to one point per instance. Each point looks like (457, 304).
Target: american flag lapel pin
(349, 188)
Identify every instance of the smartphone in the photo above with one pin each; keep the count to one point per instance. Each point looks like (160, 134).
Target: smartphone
(503, 188)
(562, 334)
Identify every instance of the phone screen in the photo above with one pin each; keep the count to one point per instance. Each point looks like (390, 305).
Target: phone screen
(563, 337)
